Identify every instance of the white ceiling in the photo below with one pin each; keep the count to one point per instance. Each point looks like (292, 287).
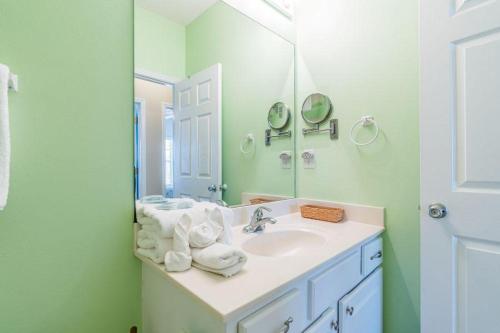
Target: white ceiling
(180, 11)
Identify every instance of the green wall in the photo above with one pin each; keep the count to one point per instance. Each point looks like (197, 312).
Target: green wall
(257, 71)
(364, 55)
(66, 264)
(159, 44)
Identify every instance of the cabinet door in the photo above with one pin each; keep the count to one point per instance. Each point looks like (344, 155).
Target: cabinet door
(360, 311)
(327, 323)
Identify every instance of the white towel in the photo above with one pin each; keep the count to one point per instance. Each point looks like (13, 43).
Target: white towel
(224, 217)
(156, 253)
(4, 136)
(204, 234)
(179, 259)
(166, 220)
(220, 259)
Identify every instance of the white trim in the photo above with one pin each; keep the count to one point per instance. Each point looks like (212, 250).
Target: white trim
(144, 74)
(165, 105)
(143, 147)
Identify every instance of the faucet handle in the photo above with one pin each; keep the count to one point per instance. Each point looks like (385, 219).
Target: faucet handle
(258, 213)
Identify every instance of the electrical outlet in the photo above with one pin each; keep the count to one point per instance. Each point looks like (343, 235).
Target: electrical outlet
(309, 159)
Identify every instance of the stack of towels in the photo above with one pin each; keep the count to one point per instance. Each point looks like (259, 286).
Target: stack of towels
(182, 233)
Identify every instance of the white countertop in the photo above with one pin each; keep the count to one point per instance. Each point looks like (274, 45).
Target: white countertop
(262, 275)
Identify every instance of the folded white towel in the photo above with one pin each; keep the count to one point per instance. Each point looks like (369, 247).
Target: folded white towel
(219, 258)
(165, 220)
(224, 217)
(226, 272)
(179, 259)
(204, 234)
(4, 136)
(158, 251)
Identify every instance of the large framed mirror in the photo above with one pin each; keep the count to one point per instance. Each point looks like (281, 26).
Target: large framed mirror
(206, 76)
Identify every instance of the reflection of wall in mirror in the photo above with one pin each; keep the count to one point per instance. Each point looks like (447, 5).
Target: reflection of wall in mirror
(258, 70)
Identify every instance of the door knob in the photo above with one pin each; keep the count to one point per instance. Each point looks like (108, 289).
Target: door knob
(212, 188)
(437, 211)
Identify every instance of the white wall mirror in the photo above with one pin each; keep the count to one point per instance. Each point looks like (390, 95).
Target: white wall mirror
(205, 76)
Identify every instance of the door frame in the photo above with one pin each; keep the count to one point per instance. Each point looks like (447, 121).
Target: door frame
(163, 80)
(141, 123)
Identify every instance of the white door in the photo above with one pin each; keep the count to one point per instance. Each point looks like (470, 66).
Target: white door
(197, 136)
(360, 311)
(460, 165)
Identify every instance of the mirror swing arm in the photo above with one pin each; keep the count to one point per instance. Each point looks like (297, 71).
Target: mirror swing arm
(333, 129)
(281, 134)
(278, 118)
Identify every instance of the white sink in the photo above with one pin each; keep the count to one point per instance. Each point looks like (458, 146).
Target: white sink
(281, 243)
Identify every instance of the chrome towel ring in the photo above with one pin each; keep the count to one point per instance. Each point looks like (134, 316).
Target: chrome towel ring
(365, 121)
(248, 141)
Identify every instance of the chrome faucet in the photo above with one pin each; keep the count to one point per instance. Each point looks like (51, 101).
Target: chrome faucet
(258, 221)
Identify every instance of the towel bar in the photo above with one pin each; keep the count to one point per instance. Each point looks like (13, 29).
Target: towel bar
(13, 82)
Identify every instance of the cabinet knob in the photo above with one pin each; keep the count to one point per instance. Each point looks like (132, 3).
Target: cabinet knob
(286, 325)
(349, 310)
(334, 325)
(376, 255)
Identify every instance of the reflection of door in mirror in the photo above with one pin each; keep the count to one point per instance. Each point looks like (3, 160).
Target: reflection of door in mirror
(177, 141)
(197, 143)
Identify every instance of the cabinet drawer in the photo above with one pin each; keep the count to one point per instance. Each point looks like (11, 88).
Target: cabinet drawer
(372, 255)
(329, 286)
(272, 317)
(326, 323)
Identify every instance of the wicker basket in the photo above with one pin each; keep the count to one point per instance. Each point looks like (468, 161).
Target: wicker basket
(257, 201)
(321, 213)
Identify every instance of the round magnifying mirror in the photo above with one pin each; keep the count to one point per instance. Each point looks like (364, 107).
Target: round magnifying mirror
(278, 116)
(316, 109)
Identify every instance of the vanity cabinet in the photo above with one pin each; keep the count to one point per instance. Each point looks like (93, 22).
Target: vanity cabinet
(343, 295)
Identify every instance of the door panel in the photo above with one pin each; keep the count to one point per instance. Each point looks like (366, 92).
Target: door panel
(460, 163)
(197, 137)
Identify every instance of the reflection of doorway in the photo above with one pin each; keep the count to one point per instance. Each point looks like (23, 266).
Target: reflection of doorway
(168, 149)
(152, 137)
(177, 141)
(139, 157)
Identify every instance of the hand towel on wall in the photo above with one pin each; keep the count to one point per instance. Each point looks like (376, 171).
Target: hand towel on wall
(4, 136)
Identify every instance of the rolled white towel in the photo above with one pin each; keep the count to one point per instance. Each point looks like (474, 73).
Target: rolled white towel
(165, 220)
(204, 234)
(220, 259)
(179, 258)
(223, 217)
